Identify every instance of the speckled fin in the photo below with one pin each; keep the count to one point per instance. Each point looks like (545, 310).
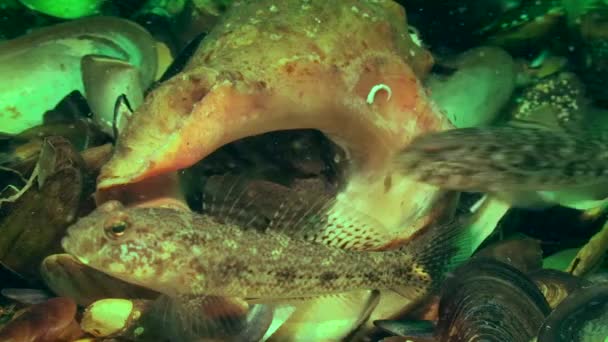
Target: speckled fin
(230, 200)
(440, 249)
(209, 317)
(278, 209)
(313, 315)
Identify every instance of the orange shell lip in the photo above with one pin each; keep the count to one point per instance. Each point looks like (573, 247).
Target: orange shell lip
(230, 91)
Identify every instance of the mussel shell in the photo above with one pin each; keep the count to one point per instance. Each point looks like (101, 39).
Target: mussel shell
(556, 285)
(525, 254)
(487, 300)
(582, 316)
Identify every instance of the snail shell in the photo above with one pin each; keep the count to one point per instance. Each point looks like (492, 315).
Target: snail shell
(556, 285)
(582, 316)
(487, 300)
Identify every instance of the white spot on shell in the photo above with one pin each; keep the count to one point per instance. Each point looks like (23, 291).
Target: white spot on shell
(377, 88)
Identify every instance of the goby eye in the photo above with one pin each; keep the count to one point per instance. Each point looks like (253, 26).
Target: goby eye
(116, 228)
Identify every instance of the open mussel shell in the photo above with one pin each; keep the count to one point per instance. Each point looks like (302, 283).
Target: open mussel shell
(487, 300)
(582, 316)
(556, 285)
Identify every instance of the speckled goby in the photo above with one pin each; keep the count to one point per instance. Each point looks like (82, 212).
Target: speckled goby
(506, 158)
(185, 253)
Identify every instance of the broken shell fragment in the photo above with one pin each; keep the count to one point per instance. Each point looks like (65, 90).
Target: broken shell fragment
(105, 79)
